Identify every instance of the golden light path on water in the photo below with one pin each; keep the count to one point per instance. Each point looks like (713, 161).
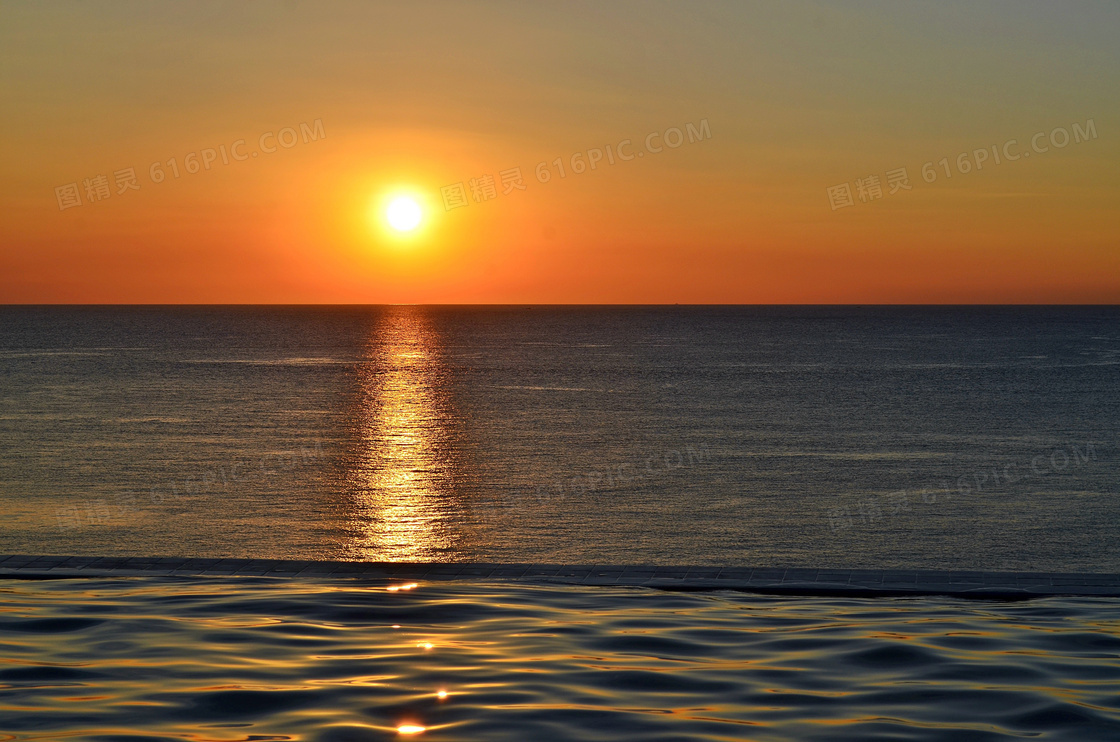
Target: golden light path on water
(403, 476)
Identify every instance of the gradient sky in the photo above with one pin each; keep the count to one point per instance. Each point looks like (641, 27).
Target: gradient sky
(798, 97)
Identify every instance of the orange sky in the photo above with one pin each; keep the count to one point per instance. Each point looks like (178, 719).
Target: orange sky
(785, 101)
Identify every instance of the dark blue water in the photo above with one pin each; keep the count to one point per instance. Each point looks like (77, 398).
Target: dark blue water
(921, 437)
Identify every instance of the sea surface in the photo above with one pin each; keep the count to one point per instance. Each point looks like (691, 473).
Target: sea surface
(967, 437)
(243, 660)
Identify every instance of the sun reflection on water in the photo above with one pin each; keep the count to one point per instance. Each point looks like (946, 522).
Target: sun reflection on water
(403, 476)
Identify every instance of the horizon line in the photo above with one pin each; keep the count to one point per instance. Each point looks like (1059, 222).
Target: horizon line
(557, 304)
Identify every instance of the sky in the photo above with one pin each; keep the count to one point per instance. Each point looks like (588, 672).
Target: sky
(744, 152)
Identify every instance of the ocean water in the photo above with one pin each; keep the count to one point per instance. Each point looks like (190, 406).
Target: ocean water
(338, 661)
(787, 436)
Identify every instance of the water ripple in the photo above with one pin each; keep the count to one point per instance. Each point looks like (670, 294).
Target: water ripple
(334, 661)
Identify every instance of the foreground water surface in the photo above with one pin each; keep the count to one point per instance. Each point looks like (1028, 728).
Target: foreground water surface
(243, 659)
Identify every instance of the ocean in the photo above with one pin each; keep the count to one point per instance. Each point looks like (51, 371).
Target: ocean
(933, 438)
(920, 437)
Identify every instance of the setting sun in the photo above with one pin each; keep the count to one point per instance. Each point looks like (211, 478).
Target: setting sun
(404, 214)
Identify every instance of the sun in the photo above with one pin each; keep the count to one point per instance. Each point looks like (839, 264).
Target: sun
(404, 214)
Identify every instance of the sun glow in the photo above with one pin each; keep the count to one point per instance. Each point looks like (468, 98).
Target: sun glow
(404, 214)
